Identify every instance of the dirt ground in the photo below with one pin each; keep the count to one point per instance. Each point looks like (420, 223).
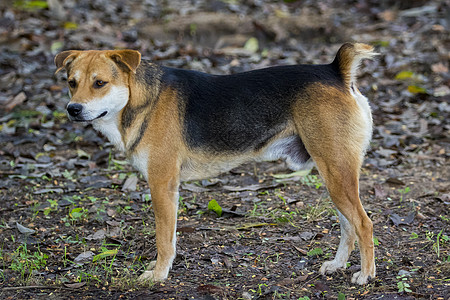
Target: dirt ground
(76, 221)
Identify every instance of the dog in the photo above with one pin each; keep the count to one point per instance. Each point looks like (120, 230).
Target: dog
(176, 125)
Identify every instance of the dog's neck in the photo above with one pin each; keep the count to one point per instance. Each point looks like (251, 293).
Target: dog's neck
(144, 88)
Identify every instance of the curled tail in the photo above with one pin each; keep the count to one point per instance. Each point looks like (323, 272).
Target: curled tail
(349, 58)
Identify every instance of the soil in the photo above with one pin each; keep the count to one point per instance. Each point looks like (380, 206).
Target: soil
(76, 220)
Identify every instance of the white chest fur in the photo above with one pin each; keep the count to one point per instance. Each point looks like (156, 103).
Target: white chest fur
(110, 129)
(139, 160)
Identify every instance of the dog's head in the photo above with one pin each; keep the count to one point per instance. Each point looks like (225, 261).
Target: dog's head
(98, 81)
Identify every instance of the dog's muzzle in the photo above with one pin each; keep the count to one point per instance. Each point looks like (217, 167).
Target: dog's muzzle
(77, 114)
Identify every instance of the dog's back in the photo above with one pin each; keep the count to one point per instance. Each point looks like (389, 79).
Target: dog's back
(242, 112)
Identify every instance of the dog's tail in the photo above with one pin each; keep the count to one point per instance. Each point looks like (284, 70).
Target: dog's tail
(349, 58)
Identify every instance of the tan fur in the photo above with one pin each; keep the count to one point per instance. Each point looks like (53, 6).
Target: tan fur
(350, 56)
(164, 142)
(102, 66)
(330, 124)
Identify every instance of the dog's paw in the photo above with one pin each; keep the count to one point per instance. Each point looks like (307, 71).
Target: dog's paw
(360, 278)
(146, 277)
(331, 266)
(151, 277)
(363, 277)
(151, 265)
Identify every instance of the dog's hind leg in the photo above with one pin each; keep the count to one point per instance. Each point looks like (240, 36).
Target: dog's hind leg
(335, 132)
(342, 183)
(346, 246)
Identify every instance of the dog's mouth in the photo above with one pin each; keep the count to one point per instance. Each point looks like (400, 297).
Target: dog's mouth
(101, 115)
(78, 119)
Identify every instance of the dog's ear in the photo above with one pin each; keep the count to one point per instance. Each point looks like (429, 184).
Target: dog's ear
(126, 59)
(63, 59)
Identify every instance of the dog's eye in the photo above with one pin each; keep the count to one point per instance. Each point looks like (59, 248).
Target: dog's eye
(72, 83)
(99, 83)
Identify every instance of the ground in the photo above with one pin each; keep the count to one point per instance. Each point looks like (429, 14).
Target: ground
(76, 221)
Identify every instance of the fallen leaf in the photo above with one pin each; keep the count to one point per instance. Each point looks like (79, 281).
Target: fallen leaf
(49, 190)
(84, 257)
(98, 235)
(301, 278)
(17, 100)
(186, 229)
(130, 184)
(395, 181)
(75, 285)
(106, 253)
(251, 225)
(306, 235)
(83, 154)
(209, 288)
(96, 181)
(439, 68)
(441, 91)
(321, 286)
(397, 220)
(193, 188)
(385, 152)
(380, 193)
(414, 89)
(215, 207)
(56, 47)
(418, 11)
(70, 25)
(404, 75)
(388, 15)
(24, 229)
(301, 173)
(302, 251)
(252, 45)
(252, 187)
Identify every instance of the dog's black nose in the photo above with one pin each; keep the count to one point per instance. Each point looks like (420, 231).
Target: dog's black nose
(74, 109)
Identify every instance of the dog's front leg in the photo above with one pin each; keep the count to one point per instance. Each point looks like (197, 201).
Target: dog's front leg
(164, 191)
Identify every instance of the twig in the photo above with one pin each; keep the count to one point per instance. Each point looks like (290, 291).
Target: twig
(8, 172)
(29, 287)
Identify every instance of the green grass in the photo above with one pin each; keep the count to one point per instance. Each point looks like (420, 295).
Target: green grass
(24, 262)
(322, 209)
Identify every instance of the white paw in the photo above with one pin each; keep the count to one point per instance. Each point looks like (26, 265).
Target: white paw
(360, 278)
(147, 276)
(331, 266)
(151, 275)
(151, 265)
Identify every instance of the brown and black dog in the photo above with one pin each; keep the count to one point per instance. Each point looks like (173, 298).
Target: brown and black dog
(177, 125)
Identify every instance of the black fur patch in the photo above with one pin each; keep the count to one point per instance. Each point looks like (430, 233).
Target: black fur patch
(241, 112)
(148, 76)
(141, 133)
